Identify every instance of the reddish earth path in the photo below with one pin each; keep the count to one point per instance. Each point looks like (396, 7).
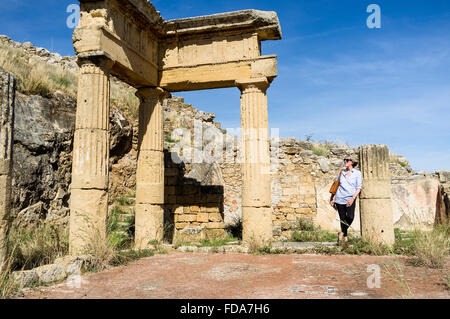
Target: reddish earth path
(230, 276)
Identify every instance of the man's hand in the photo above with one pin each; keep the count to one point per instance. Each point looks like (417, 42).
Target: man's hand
(332, 203)
(350, 202)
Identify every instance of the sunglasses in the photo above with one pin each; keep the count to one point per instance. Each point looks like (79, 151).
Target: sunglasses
(347, 160)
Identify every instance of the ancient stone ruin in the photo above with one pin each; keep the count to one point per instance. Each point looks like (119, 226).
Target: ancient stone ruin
(130, 40)
(113, 155)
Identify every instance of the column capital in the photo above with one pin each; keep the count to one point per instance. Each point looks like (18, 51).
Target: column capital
(152, 93)
(99, 61)
(250, 85)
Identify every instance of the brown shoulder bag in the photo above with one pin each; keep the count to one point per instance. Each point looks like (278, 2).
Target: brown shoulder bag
(334, 188)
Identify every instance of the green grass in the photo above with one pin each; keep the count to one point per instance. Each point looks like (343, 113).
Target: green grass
(306, 231)
(124, 201)
(217, 242)
(120, 236)
(125, 257)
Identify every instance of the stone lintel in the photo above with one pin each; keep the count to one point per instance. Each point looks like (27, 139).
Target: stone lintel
(218, 75)
(264, 23)
(96, 42)
(141, 9)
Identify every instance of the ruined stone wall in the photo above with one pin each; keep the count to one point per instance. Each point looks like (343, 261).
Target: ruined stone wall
(302, 177)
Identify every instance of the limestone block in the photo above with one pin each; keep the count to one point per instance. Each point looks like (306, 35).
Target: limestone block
(88, 215)
(90, 159)
(25, 278)
(150, 178)
(51, 273)
(203, 217)
(376, 220)
(149, 224)
(414, 204)
(216, 225)
(215, 217)
(257, 224)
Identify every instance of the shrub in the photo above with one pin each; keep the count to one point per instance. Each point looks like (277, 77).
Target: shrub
(7, 286)
(432, 248)
(101, 248)
(37, 77)
(37, 247)
(40, 78)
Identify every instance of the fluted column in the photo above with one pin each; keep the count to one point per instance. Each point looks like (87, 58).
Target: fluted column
(7, 95)
(90, 171)
(377, 223)
(150, 172)
(256, 195)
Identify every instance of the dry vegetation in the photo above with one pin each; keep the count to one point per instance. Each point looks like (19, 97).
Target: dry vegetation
(432, 248)
(37, 247)
(37, 77)
(40, 78)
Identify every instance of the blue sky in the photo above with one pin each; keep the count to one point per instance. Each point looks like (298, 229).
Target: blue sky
(338, 80)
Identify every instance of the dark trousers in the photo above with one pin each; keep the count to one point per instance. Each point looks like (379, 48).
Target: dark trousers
(347, 215)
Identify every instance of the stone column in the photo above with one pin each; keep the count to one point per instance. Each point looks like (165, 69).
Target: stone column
(256, 193)
(7, 95)
(90, 171)
(377, 222)
(150, 172)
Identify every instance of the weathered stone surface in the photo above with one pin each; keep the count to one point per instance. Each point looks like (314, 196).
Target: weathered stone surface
(323, 163)
(7, 110)
(51, 273)
(376, 197)
(25, 278)
(414, 204)
(265, 23)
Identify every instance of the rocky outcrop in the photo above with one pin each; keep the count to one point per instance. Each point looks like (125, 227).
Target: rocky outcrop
(43, 137)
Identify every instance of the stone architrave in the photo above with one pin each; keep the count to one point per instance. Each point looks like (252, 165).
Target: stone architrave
(376, 197)
(90, 171)
(150, 172)
(256, 193)
(7, 96)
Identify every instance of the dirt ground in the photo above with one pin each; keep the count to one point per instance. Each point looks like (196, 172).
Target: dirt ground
(237, 276)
